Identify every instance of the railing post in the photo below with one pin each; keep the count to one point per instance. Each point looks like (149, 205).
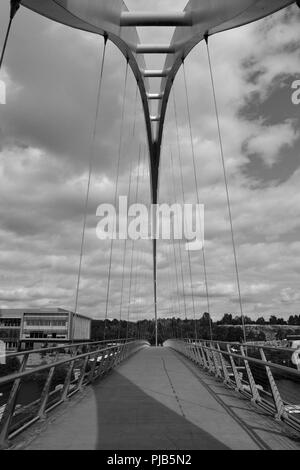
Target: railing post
(92, 371)
(187, 349)
(197, 351)
(105, 363)
(124, 355)
(82, 373)
(217, 371)
(10, 407)
(102, 367)
(223, 364)
(238, 383)
(117, 356)
(209, 361)
(253, 387)
(204, 355)
(110, 360)
(45, 394)
(66, 386)
(191, 352)
(279, 405)
(24, 362)
(198, 357)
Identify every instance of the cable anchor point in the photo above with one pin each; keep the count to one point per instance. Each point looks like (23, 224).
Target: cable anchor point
(14, 7)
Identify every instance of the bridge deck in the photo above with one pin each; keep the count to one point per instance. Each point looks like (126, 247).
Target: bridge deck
(158, 400)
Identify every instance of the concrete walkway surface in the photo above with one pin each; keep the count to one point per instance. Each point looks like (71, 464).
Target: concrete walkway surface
(157, 400)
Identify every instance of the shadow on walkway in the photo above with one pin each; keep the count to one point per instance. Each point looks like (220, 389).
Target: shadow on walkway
(130, 419)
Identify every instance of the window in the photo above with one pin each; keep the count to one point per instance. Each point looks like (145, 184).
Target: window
(10, 322)
(42, 322)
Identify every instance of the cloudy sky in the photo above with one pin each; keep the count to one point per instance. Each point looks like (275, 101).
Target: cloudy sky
(52, 72)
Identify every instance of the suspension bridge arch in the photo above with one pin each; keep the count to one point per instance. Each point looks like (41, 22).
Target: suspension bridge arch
(198, 21)
(112, 20)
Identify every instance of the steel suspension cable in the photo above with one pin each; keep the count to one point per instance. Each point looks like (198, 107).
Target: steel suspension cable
(172, 284)
(91, 158)
(124, 252)
(170, 279)
(132, 246)
(184, 201)
(14, 7)
(226, 184)
(179, 156)
(140, 280)
(128, 200)
(145, 277)
(198, 196)
(116, 195)
(173, 241)
(140, 254)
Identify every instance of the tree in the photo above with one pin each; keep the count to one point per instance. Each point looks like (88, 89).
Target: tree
(251, 336)
(226, 320)
(261, 336)
(234, 334)
(280, 334)
(205, 320)
(294, 320)
(261, 321)
(281, 321)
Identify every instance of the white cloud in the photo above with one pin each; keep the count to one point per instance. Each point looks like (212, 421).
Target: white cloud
(270, 141)
(45, 136)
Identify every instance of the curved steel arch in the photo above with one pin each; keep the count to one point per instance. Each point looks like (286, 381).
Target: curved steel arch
(112, 19)
(102, 17)
(210, 17)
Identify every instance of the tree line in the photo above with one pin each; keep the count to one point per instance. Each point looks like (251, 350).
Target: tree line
(229, 319)
(203, 328)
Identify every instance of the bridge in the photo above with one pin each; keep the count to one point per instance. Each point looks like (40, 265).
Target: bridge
(185, 395)
(122, 393)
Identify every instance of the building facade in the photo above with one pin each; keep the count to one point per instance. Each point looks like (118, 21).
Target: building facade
(30, 328)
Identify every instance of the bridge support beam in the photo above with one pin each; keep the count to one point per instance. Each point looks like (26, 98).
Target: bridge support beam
(155, 96)
(155, 49)
(155, 73)
(179, 18)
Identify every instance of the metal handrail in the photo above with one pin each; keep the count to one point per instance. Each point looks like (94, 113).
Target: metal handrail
(209, 355)
(64, 346)
(256, 361)
(110, 356)
(20, 375)
(248, 345)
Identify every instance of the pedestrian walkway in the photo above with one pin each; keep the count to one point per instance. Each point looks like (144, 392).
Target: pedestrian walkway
(158, 400)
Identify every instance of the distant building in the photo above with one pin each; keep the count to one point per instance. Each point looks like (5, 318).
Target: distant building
(31, 328)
